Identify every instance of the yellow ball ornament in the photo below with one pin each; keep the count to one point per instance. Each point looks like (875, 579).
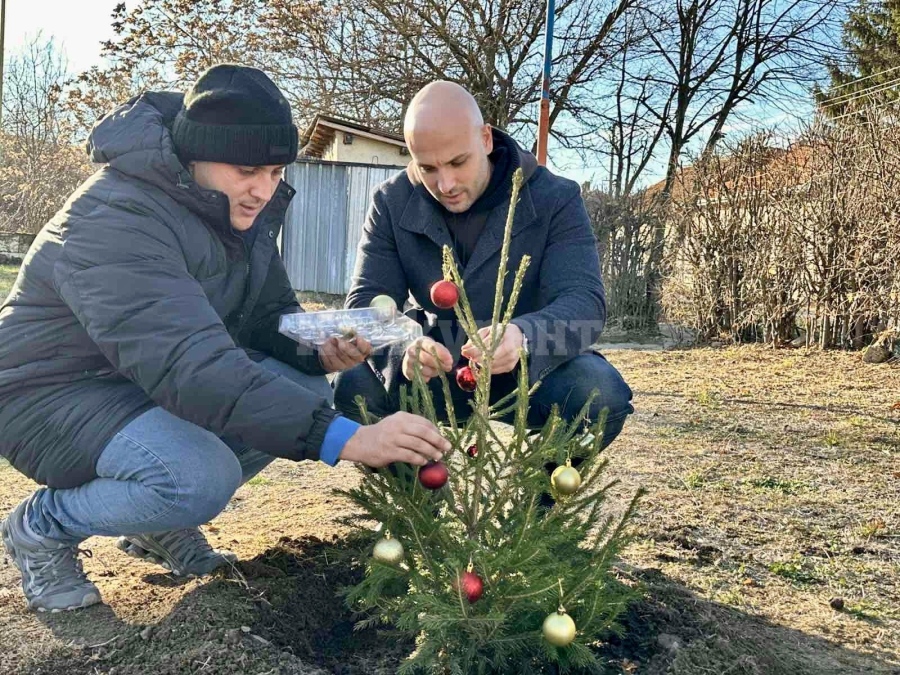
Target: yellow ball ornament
(388, 551)
(565, 479)
(559, 628)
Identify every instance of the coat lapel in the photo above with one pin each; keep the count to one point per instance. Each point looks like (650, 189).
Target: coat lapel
(491, 240)
(421, 216)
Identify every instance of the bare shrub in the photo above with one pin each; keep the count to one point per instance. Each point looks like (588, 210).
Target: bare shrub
(624, 227)
(765, 241)
(39, 165)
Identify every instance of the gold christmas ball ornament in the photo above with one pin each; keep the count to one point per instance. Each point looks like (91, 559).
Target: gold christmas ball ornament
(565, 479)
(559, 629)
(388, 551)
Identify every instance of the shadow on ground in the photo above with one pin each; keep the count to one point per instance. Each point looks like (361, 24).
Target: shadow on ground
(280, 613)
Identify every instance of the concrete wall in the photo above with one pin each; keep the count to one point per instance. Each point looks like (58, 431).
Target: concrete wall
(14, 246)
(364, 151)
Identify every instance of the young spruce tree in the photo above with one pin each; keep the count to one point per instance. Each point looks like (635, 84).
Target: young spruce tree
(466, 559)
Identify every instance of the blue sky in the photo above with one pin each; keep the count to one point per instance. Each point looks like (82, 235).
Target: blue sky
(79, 26)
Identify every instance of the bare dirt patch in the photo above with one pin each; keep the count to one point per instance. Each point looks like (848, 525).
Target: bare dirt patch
(773, 483)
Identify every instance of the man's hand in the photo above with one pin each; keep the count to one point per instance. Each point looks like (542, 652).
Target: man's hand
(421, 351)
(401, 437)
(507, 355)
(340, 354)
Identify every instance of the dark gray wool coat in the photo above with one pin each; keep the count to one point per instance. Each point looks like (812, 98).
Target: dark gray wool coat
(562, 306)
(138, 293)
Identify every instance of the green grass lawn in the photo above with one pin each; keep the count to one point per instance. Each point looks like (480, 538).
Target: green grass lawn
(7, 278)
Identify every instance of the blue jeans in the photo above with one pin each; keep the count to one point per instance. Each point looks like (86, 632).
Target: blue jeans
(158, 473)
(568, 386)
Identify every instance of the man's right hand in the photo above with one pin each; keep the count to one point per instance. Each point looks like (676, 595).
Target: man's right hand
(421, 351)
(401, 437)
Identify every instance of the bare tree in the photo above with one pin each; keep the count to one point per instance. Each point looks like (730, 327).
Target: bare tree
(373, 55)
(366, 58)
(39, 166)
(713, 55)
(165, 44)
(698, 61)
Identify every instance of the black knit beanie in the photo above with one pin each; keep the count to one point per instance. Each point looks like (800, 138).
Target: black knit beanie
(235, 115)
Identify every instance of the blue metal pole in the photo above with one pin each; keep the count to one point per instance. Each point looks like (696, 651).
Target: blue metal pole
(544, 121)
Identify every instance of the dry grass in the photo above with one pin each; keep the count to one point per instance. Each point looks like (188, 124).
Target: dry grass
(773, 482)
(7, 279)
(313, 301)
(774, 486)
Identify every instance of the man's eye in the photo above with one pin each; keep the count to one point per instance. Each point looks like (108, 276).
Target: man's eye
(458, 163)
(426, 169)
(247, 170)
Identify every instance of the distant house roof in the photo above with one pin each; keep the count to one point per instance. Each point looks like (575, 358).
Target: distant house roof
(777, 169)
(322, 129)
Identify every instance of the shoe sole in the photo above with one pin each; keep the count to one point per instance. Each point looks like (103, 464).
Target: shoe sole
(87, 601)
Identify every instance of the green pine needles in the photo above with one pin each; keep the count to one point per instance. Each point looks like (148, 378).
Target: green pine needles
(488, 521)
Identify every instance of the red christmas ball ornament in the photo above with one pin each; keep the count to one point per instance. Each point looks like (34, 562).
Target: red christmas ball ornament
(433, 475)
(444, 294)
(472, 586)
(472, 450)
(465, 379)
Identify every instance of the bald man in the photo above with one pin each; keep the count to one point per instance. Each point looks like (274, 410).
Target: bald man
(456, 192)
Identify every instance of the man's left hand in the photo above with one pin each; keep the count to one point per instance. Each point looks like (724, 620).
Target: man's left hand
(507, 355)
(340, 354)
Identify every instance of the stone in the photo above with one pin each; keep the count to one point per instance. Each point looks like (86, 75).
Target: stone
(876, 354)
(669, 642)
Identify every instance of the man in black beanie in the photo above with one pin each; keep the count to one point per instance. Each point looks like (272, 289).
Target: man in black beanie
(142, 375)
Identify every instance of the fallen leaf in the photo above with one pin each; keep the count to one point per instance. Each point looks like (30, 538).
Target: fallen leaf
(896, 406)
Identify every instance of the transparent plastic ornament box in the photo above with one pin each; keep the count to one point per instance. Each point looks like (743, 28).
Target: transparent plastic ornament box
(380, 326)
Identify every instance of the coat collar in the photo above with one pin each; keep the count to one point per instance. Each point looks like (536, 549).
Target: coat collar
(423, 216)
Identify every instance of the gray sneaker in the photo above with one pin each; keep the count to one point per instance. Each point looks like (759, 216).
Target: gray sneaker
(52, 576)
(182, 552)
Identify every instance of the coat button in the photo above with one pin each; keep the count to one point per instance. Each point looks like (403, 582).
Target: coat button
(271, 234)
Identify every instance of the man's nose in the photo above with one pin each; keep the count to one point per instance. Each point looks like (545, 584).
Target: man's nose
(263, 187)
(446, 182)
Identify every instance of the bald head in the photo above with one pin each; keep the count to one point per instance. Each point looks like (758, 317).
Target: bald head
(449, 143)
(439, 104)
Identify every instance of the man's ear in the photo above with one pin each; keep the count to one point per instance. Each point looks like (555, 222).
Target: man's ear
(190, 167)
(487, 138)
